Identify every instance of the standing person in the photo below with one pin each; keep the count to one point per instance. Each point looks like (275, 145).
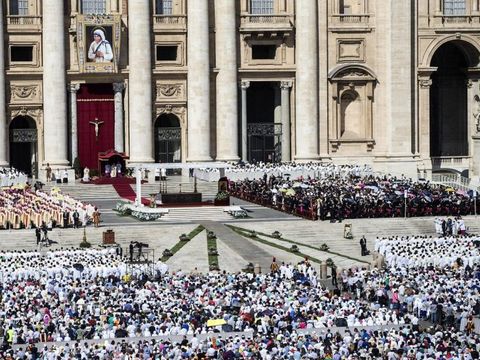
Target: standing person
(100, 49)
(363, 245)
(45, 233)
(96, 218)
(334, 276)
(76, 216)
(38, 235)
(66, 216)
(49, 172)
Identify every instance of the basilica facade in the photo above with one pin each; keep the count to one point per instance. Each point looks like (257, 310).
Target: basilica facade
(390, 83)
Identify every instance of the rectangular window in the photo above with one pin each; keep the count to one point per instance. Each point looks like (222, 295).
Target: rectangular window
(454, 7)
(19, 7)
(261, 7)
(21, 53)
(167, 52)
(264, 52)
(163, 7)
(94, 7)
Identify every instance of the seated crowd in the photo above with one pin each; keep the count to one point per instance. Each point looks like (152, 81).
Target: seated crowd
(11, 176)
(352, 196)
(24, 208)
(285, 314)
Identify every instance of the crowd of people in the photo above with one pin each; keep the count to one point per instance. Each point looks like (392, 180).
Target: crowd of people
(73, 296)
(351, 195)
(11, 177)
(246, 171)
(22, 207)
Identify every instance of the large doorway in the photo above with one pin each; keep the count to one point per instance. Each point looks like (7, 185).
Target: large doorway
(23, 145)
(448, 104)
(168, 139)
(263, 133)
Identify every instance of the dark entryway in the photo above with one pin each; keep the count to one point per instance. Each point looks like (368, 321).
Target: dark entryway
(448, 104)
(168, 139)
(23, 145)
(264, 136)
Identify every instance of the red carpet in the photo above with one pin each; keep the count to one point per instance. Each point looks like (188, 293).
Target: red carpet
(126, 192)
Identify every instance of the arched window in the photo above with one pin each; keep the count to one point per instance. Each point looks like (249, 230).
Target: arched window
(163, 7)
(261, 7)
(454, 7)
(94, 6)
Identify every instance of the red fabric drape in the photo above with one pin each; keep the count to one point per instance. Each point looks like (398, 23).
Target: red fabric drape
(95, 101)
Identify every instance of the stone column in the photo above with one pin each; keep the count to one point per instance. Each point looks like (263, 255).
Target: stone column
(54, 84)
(3, 114)
(198, 81)
(285, 86)
(73, 88)
(474, 5)
(424, 83)
(118, 91)
(140, 82)
(227, 91)
(245, 85)
(306, 129)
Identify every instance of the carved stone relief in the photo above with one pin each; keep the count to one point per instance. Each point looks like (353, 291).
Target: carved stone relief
(24, 93)
(170, 91)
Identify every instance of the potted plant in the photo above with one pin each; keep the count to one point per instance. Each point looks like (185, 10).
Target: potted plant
(294, 248)
(324, 247)
(184, 237)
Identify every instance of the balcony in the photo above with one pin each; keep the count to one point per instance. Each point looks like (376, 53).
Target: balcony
(253, 23)
(348, 23)
(456, 21)
(170, 23)
(24, 23)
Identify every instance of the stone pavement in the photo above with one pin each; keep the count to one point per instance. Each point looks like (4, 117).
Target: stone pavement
(248, 251)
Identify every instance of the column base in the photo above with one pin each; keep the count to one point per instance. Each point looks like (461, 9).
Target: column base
(307, 157)
(141, 161)
(233, 158)
(4, 164)
(199, 159)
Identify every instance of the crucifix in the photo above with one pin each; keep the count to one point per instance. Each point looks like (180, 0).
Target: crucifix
(96, 123)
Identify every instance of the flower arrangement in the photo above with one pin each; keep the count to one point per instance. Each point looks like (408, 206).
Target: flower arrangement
(122, 209)
(276, 234)
(211, 235)
(294, 248)
(222, 195)
(253, 234)
(143, 216)
(324, 247)
(184, 237)
(167, 253)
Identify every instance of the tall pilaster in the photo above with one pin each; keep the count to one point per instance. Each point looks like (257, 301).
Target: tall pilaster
(54, 84)
(73, 88)
(285, 87)
(244, 85)
(198, 81)
(3, 115)
(306, 129)
(119, 138)
(140, 82)
(227, 91)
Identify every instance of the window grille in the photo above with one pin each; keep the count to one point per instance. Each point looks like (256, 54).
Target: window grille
(261, 7)
(454, 7)
(94, 6)
(163, 7)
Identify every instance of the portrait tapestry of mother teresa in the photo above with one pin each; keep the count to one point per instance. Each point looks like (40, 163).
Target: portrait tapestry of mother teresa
(100, 50)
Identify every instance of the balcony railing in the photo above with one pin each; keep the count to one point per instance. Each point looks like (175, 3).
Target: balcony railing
(26, 22)
(455, 21)
(263, 22)
(170, 22)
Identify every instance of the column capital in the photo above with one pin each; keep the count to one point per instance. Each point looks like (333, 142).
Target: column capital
(73, 87)
(425, 83)
(286, 84)
(118, 86)
(244, 84)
